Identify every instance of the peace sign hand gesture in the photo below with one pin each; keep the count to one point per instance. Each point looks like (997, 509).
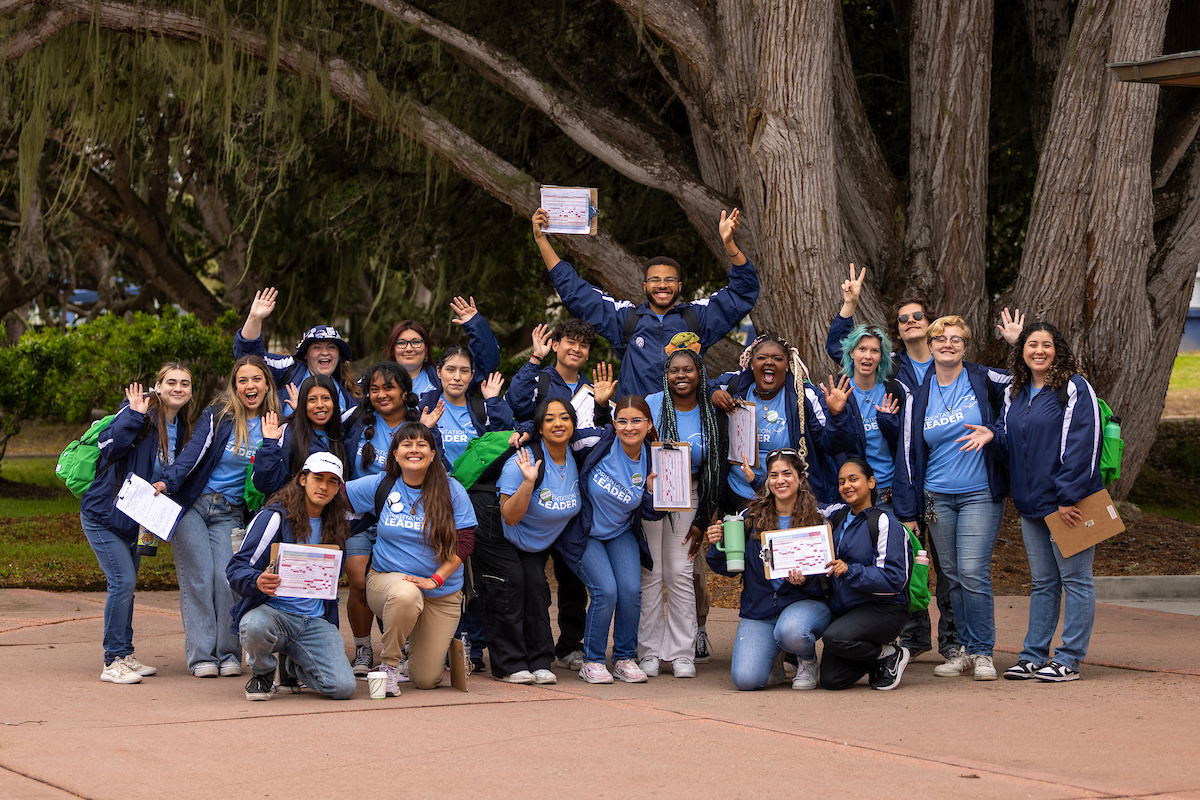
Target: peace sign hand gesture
(852, 291)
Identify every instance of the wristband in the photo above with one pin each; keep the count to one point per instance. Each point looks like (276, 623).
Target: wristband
(536, 359)
(437, 579)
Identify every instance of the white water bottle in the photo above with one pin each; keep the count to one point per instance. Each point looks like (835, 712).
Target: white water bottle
(922, 557)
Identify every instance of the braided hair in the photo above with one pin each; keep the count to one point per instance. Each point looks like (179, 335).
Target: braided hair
(391, 374)
(710, 467)
(799, 373)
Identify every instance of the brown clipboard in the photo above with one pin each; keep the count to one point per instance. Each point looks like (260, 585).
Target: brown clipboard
(655, 449)
(1100, 521)
(458, 664)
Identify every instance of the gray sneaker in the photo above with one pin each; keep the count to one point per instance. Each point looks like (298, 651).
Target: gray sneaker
(572, 661)
(363, 655)
(959, 664)
(806, 676)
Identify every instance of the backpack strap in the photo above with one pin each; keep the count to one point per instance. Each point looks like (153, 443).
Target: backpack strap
(1062, 397)
(690, 319)
(631, 321)
(543, 383)
(478, 408)
(381, 493)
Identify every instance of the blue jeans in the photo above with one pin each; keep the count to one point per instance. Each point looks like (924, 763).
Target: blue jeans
(202, 547)
(964, 532)
(612, 572)
(316, 649)
(795, 630)
(119, 562)
(1052, 575)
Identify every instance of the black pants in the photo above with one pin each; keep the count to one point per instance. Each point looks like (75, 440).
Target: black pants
(853, 641)
(572, 607)
(916, 635)
(515, 595)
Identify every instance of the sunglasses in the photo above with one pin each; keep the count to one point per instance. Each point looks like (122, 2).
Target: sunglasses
(916, 315)
(783, 451)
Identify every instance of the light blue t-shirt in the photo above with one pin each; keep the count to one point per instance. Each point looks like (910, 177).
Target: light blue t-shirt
(456, 429)
(772, 435)
(687, 425)
(382, 440)
(950, 471)
(161, 464)
(574, 387)
(879, 455)
(920, 367)
(617, 484)
(229, 477)
(551, 507)
(422, 384)
(304, 606)
(400, 545)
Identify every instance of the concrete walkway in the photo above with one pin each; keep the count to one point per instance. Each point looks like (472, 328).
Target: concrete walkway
(1130, 728)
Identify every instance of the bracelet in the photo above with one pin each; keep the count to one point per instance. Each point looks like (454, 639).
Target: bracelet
(735, 255)
(538, 359)
(437, 579)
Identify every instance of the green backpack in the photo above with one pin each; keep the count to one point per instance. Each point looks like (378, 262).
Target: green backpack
(77, 465)
(918, 583)
(1112, 447)
(254, 498)
(481, 453)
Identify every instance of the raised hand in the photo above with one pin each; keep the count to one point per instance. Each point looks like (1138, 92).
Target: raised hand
(517, 439)
(852, 288)
(293, 395)
(729, 225)
(529, 467)
(541, 341)
(430, 418)
(492, 386)
(603, 384)
(270, 425)
(976, 439)
(836, 394)
(137, 400)
(890, 405)
(1011, 325)
(463, 309)
(264, 303)
(541, 221)
(747, 470)
(723, 400)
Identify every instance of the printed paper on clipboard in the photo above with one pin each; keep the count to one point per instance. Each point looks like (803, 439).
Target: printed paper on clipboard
(806, 549)
(570, 209)
(743, 433)
(671, 463)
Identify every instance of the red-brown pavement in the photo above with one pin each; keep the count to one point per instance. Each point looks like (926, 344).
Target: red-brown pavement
(1130, 728)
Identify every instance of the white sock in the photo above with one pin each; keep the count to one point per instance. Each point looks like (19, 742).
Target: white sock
(886, 651)
(362, 641)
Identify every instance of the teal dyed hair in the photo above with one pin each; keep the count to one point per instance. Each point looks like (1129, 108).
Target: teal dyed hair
(857, 334)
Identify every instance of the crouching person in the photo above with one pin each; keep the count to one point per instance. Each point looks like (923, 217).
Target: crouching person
(309, 509)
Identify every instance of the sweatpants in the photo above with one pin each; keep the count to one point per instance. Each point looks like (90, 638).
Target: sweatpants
(854, 640)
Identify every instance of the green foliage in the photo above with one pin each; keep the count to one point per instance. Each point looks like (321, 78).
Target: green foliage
(33, 374)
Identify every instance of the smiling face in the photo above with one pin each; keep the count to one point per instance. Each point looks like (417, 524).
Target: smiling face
(322, 357)
(769, 364)
(949, 351)
(782, 480)
(854, 486)
(175, 389)
(318, 407)
(632, 426)
(866, 356)
(557, 427)
(571, 352)
(682, 377)
(1039, 353)
(455, 375)
(912, 328)
(662, 287)
(385, 395)
(410, 350)
(319, 489)
(414, 457)
(250, 386)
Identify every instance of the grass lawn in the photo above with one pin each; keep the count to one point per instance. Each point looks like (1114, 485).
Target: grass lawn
(1186, 374)
(38, 471)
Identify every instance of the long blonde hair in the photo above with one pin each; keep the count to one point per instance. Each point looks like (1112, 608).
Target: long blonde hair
(183, 419)
(229, 403)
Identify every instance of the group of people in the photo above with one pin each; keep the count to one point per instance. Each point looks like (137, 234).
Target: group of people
(448, 496)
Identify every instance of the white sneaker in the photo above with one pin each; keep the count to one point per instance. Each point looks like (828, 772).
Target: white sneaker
(119, 672)
(806, 675)
(777, 675)
(626, 669)
(520, 676)
(595, 672)
(544, 677)
(138, 667)
(572, 661)
(651, 666)
(390, 687)
(402, 671)
(958, 664)
(985, 670)
(206, 669)
(230, 669)
(683, 668)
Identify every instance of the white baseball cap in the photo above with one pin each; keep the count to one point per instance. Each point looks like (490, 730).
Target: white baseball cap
(324, 462)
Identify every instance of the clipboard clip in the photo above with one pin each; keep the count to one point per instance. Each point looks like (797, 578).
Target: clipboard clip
(670, 446)
(593, 212)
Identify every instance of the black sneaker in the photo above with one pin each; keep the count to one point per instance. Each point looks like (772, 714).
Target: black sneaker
(477, 664)
(887, 671)
(259, 687)
(1055, 672)
(286, 679)
(703, 649)
(1022, 671)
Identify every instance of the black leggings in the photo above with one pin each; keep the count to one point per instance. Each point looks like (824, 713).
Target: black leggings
(853, 642)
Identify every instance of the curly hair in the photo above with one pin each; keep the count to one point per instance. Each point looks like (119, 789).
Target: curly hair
(1061, 368)
(856, 335)
(762, 514)
(576, 329)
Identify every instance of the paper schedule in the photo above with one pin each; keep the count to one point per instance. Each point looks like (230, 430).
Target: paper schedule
(156, 513)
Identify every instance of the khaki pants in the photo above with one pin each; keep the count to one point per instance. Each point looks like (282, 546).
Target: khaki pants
(428, 623)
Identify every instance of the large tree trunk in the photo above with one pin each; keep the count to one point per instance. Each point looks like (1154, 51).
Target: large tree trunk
(1087, 265)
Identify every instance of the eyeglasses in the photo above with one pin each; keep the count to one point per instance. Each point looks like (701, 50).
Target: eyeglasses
(634, 421)
(663, 281)
(409, 344)
(783, 451)
(954, 340)
(916, 315)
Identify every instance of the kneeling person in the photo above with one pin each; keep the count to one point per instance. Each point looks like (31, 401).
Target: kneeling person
(310, 509)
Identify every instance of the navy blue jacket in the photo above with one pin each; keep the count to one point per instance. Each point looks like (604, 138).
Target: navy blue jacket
(128, 444)
(826, 435)
(522, 396)
(840, 328)
(878, 567)
(285, 369)
(908, 484)
(498, 415)
(762, 598)
(642, 366)
(187, 477)
(272, 462)
(574, 537)
(1053, 453)
(268, 526)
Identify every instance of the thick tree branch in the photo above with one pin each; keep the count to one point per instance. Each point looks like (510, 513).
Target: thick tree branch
(1173, 143)
(680, 25)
